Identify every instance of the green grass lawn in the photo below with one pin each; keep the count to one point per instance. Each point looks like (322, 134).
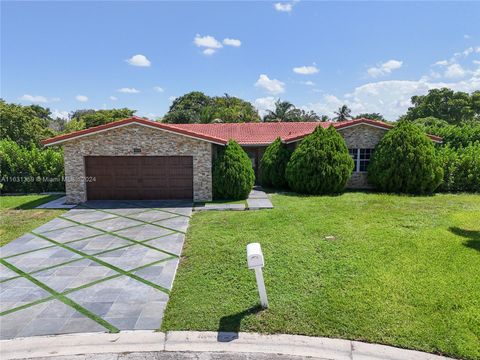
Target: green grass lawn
(403, 271)
(18, 215)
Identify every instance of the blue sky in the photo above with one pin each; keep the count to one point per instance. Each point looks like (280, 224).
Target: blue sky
(373, 56)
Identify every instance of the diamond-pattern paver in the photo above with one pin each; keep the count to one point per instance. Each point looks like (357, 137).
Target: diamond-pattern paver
(144, 232)
(116, 223)
(172, 243)
(99, 243)
(152, 216)
(70, 234)
(54, 224)
(6, 273)
(160, 273)
(179, 223)
(89, 244)
(73, 275)
(27, 242)
(13, 323)
(89, 215)
(18, 292)
(42, 259)
(133, 257)
(128, 298)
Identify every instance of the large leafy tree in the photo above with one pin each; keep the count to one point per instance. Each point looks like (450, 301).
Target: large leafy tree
(88, 118)
(456, 136)
(232, 109)
(196, 107)
(454, 107)
(25, 125)
(286, 111)
(343, 113)
(372, 116)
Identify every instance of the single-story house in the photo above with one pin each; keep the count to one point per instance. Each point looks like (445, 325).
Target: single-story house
(138, 159)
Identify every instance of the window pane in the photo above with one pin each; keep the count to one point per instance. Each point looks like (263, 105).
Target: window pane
(365, 155)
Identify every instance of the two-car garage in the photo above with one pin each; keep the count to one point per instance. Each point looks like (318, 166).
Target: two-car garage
(136, 159)
(139, 177)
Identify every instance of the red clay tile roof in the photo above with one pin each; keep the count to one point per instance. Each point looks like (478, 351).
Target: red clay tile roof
(243, 133)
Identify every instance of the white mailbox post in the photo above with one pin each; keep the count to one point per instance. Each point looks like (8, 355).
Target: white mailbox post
(255, 261)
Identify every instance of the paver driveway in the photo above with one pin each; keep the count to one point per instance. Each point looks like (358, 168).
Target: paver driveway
(102, 266)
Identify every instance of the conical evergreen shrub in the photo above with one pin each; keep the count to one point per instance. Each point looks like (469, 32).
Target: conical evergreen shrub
(320, 164)
(233, 175)
(405, 161)
(273, 165)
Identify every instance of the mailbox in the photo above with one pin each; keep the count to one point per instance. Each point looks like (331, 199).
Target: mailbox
(255, 256)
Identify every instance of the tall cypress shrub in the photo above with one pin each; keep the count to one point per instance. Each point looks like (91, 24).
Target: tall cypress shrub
(273, 165)
(233, 175)
(405, 161)
(320, 164)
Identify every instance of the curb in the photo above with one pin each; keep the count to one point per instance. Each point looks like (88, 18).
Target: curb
(208, 341)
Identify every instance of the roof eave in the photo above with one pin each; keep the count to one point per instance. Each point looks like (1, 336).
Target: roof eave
(126, 122)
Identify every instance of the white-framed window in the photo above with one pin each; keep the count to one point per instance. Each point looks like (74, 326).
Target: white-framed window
(361, 158)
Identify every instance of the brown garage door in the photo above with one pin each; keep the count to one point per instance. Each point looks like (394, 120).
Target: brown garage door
(139, 177)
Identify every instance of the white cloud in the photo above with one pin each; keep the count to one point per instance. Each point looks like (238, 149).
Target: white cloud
(385, 68)
(60, 114)
(390, 98)
(441, 63)
(158, 89)
(209, 51)
(455, 71)
(284, 7)
(34, 98)
(308, 83)
(127, 90)
(305, 70)
(207, 41)
(273, 86)
(37, 99)
(139, 60)
(81, 98)
(466, 36)
(232, 42)
(113, 98)
(265, 103)
(172, 98)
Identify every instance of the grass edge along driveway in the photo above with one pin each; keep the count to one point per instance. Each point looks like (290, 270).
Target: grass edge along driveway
(19, 216)
(401, 271)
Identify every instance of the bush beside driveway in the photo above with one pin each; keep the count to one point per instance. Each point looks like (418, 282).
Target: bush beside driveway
(389, 269)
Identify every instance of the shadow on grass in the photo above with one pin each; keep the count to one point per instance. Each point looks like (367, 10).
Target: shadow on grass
(34, 203)
(229, 326)
(473, 237)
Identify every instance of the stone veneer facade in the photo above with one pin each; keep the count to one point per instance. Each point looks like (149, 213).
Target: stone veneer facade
(361, 137)
(152, 142)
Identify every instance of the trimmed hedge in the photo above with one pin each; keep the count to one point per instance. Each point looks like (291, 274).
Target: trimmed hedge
(233, 175)
(320, 164)
(31, 169)
(461, 168)
(273, 165)
(405, 161)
